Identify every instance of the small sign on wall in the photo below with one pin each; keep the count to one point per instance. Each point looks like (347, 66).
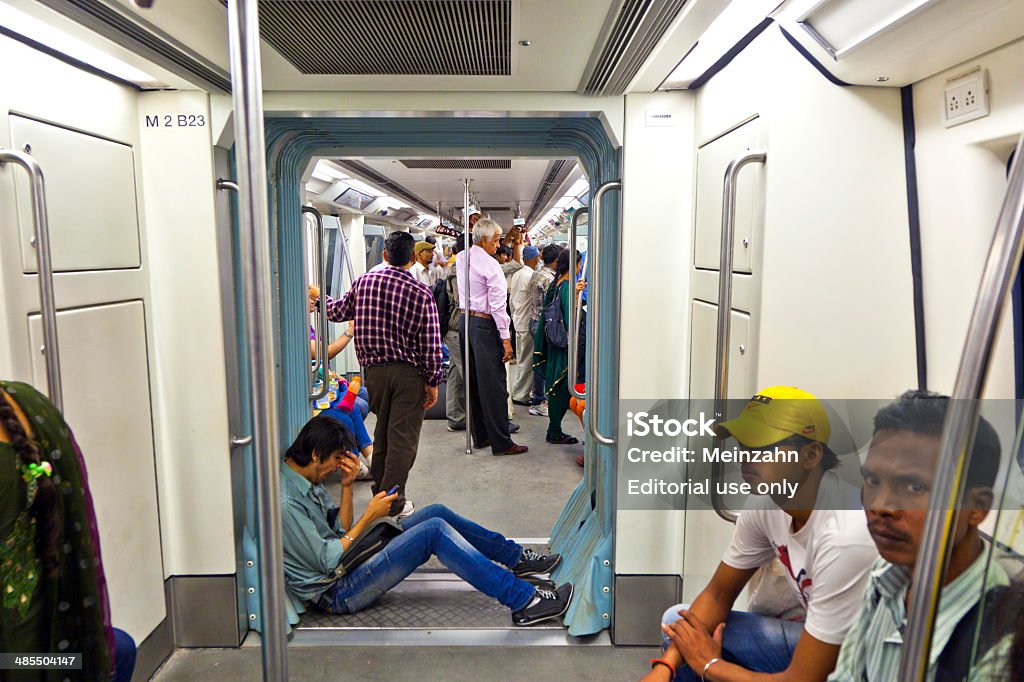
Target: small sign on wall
(660, 119)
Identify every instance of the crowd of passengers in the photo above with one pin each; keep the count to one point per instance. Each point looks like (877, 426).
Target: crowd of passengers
(847, 555)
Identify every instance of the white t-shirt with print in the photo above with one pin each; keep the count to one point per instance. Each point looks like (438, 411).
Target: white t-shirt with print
(827, 562)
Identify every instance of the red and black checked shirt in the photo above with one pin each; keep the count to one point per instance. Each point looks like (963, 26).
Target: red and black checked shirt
(396, 321)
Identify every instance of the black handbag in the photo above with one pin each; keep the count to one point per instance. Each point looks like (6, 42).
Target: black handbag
(372, 540)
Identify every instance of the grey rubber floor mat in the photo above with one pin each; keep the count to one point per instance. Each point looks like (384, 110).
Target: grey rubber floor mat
(424, 603)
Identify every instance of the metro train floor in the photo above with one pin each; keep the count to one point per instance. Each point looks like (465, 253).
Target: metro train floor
(422, 664)
(519, 496)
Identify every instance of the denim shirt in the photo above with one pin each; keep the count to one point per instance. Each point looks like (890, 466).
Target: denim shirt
(312, 543)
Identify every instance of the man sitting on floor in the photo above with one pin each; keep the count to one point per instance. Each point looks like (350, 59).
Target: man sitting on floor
(317, 533)
(820, 538)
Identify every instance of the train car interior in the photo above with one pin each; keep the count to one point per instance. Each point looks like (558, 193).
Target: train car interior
(822, 194)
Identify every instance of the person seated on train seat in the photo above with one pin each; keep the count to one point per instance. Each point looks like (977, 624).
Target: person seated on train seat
(898, 475)
(354, 424)
(53, 593)
(819, 536)
(317, 532)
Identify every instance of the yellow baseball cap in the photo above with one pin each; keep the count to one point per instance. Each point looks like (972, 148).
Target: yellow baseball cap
(776, 413)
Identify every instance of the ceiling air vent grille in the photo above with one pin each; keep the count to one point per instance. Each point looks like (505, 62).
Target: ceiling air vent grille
(459, 164)
(391, 37)
(629, 36)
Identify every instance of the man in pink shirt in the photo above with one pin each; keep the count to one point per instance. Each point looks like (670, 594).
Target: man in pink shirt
(489, 344)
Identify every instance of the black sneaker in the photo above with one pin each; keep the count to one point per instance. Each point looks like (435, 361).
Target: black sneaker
(533, 563)
(545, 605)
(537, 581)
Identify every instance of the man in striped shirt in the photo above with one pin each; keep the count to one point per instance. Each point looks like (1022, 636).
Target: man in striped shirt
(399, 349)
(897, 478)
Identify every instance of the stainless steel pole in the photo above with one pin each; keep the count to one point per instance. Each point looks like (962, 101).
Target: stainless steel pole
(574, 320)
(725, 266)
(250, 147)
(323, 344)
(961, 424)
(468, 244)
(594, 306)
(47, 300)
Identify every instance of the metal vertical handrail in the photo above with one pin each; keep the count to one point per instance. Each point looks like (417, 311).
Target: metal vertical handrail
(250, 148)
(322, 342)
(594, 305)
(467, 246)
(574, 320)
(237, 442)
(961, 424)
(47, 300)
(725, 266)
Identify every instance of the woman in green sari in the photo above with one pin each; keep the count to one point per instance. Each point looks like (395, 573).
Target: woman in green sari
(53, 596)
(551, 361)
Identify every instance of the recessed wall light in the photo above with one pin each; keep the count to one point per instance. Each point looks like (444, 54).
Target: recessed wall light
(525, 43)
(882, 79)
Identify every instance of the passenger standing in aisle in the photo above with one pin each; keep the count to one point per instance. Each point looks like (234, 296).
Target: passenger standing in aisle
(552, 360)
(423, 255)
(489, 344)
(399, 349)
(519, 301)
(455, 391)
(540, 280)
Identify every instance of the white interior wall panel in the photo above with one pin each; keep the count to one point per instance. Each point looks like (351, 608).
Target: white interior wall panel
(657, 206)
(105, 371)
(836, 314)
(961, 175)
(106, 343)
(195, 478)
(94, 218)
(712, 161)
(707, 536)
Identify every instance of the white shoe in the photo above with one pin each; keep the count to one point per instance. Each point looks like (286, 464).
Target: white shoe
(539, 410)
(407, 510)
(364, 473)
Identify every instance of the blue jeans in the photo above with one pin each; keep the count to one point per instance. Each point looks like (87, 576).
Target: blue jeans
(758, 643)
(124, 656)
(468, 549)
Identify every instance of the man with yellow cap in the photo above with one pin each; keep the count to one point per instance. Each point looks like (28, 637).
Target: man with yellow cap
(819, 536)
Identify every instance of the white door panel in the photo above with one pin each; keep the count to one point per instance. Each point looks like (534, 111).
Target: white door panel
(712, 161)
(105, 372)
(91, 198)
(706, 535)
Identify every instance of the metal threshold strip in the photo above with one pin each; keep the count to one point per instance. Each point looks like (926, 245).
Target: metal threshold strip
(431, 608)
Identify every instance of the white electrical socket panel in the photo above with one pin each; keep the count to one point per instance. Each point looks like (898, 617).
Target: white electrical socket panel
(966, 97)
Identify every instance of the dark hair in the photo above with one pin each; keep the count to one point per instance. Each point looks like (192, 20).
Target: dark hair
(563, 263)
(923, 412)
(829, 459)
(459, 246)
(322, 434)
(549, 254)
(399, 246)
(430, 239)
(45, 509)
(503, 251)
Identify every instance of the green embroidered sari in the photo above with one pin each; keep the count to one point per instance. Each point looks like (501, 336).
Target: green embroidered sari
(69, 613)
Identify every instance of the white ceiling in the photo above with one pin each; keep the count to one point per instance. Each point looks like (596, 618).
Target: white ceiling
(493, 187)
(562, 34)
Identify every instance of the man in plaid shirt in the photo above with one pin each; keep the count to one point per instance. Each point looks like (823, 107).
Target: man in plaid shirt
(398, 345)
